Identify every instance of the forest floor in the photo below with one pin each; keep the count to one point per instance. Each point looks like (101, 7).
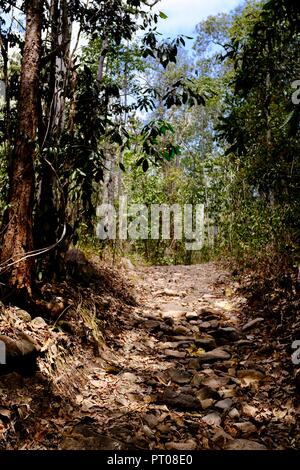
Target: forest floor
(188, 366)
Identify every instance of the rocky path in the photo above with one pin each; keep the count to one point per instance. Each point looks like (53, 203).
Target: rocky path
(190, 367)
(189, 372)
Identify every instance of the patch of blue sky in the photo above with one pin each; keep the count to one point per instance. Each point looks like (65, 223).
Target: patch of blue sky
(184, 15)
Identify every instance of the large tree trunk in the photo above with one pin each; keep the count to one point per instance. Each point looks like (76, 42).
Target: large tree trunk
(18, 239)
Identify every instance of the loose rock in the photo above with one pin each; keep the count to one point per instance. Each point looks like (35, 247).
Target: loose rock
(38, 323)
(251, 324)
(227, 334)
(244, 444)
(212, 419)
(224, 404)
(179, 400)
(234, 413)
(181, 446)
(179, 377)
(174, 354)
(214, 355)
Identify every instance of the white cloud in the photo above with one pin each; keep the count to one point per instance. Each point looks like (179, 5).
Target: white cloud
(184, 15)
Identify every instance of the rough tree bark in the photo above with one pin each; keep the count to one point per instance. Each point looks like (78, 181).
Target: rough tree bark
(17, 236)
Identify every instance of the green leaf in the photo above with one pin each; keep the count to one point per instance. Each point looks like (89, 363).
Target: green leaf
(163, 15)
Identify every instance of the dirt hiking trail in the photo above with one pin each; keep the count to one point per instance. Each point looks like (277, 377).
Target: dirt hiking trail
(190, 369)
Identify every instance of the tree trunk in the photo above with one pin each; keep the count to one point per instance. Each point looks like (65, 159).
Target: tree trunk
(4, 52)
(18, 238)
(50, 213)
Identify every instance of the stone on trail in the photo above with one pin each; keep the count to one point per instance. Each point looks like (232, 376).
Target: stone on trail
(251, 324)
(244, 444)
(168, 345)
(175, 315)
(171, 293)
(152, 325)
(209, 378)
(227, 334)
(213, 419)
(181, 330)
(209, 325)
(183, 401)
(234, 413)
(182, 446)
(215, 355)
(224, 404)
(192, 316)
(38, 323)
(174, 354)
(208, 344)
(186, 339)
(180, 377)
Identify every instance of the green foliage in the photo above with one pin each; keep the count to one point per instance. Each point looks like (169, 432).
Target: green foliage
(218, 128)
(262, 136)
